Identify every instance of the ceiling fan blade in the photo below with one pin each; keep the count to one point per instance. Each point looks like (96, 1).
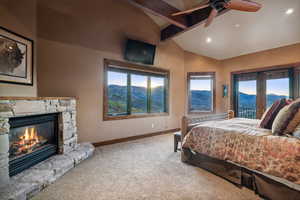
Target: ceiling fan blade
(211, 17)
(202, 5)
(243, 5)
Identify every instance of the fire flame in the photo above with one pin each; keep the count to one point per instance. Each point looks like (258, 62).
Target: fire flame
(29, 139)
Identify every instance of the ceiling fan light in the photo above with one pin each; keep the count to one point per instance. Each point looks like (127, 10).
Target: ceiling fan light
(289, 11)
(208, 40)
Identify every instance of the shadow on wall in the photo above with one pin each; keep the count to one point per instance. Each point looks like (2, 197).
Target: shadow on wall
(98, 25)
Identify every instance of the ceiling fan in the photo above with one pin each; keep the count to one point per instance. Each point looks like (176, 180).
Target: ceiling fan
(218, 5)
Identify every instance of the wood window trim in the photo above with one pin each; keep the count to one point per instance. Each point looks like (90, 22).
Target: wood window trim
(295, 81)
(135, 68)
(213, 74)
(268, 68)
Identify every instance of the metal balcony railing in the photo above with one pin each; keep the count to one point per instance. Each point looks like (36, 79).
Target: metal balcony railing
(245, 112)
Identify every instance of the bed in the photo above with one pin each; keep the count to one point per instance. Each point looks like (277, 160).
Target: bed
(235, 149)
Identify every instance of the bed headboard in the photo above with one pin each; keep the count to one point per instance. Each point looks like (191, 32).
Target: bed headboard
(188, 122)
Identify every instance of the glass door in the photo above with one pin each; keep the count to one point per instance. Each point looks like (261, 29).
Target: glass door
(278, 86)
(256, 92)
(246, 96)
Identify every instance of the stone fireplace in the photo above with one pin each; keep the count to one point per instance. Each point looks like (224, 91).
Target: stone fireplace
(38, 137)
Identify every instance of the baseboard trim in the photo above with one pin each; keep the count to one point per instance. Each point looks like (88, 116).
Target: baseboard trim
(108, 142)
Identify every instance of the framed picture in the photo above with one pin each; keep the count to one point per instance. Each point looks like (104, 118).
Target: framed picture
(16, 58)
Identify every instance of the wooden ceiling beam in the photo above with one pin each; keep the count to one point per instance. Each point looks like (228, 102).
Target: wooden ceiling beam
(162, 9)
(194, 19)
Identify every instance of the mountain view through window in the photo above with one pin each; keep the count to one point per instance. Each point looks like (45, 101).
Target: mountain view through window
(277, 89)
(201, 93)
(130, 92)
(247, 99)
(277, 86)
(117, 90)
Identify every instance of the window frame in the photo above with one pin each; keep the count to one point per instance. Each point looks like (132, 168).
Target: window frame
(136, 69)
(297, 81)
(213, 89)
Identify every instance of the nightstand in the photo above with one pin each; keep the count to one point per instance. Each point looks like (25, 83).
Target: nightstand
(177, 139)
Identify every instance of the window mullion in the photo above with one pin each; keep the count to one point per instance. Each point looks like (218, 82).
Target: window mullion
(189, 94)
(261, 94)
(165, 95)
(291, 83)
(128, 93)
(212, 94)
(149, 94)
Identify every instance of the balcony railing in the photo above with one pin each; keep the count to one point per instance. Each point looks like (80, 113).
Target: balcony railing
(245, 112)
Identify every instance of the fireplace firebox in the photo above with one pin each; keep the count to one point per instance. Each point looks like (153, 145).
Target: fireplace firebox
(32, 139)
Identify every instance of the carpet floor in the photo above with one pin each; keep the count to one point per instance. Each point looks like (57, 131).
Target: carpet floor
(141, 169)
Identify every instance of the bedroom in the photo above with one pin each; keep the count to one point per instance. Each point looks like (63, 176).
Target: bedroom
(72, 40)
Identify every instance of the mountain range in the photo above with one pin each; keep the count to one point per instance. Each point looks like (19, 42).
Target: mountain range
(200, 99)
(249, 100)
(117, 96)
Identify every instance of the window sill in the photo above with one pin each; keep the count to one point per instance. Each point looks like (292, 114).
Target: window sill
(111, 118)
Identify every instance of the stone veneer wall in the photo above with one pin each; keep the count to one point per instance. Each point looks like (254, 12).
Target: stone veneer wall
(18, 107)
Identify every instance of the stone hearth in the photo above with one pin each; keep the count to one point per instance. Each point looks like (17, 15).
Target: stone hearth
(34, 179)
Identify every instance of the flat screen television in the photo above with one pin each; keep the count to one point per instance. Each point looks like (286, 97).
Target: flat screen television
(140, 52)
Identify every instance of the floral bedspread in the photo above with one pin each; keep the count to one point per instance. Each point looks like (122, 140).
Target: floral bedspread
(242, 142)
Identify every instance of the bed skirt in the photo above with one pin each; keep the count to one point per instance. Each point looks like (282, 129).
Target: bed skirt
(262, 184)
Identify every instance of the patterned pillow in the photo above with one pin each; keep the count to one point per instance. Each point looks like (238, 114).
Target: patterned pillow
(296, 132)
(270, 114)
(287, 119)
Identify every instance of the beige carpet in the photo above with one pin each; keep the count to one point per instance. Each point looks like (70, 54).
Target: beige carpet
(142, 169)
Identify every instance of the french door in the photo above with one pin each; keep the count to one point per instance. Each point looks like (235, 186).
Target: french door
(255, 92)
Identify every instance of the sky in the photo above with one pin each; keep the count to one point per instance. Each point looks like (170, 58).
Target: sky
(200, 85)
(116, 78)
(278, 86)
(247, 87)
(274, 86)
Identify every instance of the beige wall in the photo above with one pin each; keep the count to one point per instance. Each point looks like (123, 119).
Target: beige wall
(274, 57)
(73, 39)
(72, 43)
(19, 17)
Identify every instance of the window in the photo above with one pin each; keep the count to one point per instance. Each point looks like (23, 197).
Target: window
(256, 91)
(246, 87)
(201, 92)
(277, 86)
(139, 102)
(157, 94)
(296, 82)
(117, 92)
(132, 91)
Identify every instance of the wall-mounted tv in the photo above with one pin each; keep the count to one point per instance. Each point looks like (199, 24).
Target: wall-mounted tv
(140, 52)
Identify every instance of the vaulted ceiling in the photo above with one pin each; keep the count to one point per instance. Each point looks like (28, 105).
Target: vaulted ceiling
(238, 33)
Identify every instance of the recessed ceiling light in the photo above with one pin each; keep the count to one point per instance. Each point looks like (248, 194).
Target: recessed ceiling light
(237, 25)
(289, 11)
(208, 40)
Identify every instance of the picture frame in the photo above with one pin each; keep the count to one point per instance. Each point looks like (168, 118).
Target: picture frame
(16, 58)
